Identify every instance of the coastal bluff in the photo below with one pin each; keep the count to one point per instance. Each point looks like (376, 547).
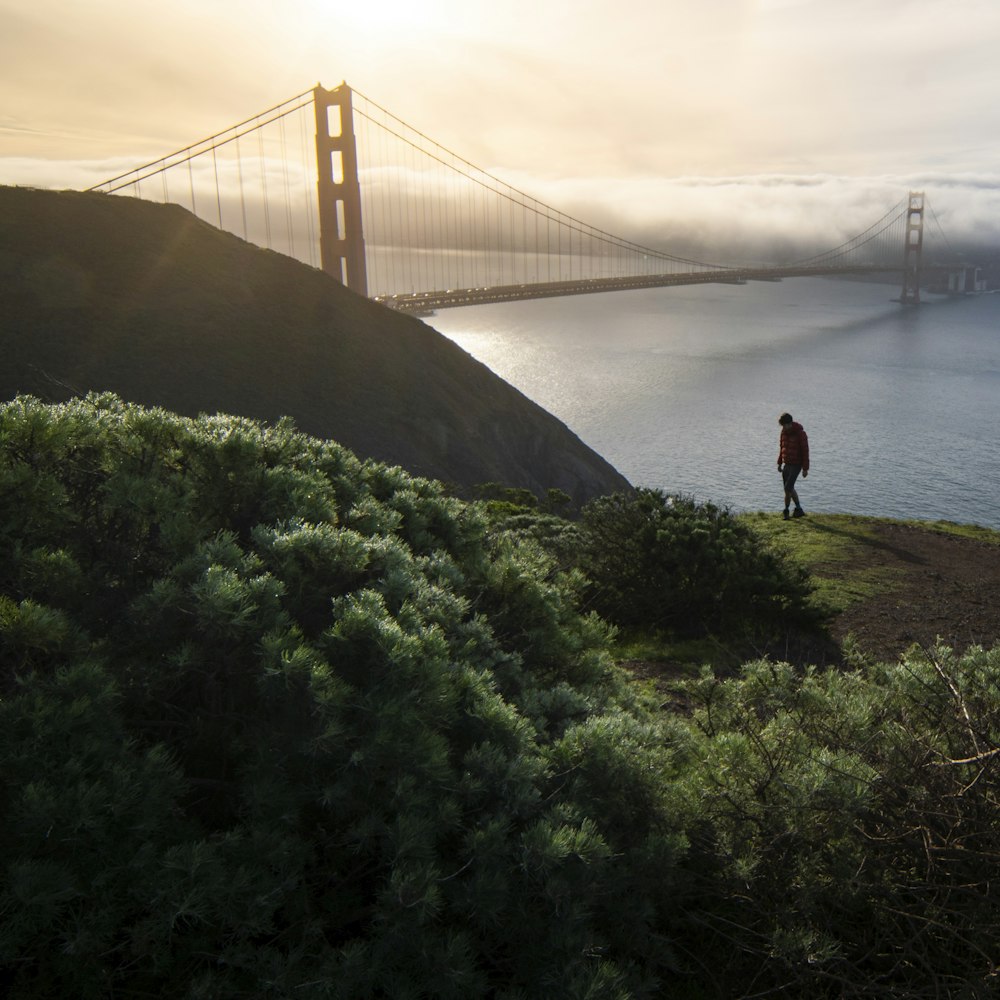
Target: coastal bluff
(111, 293)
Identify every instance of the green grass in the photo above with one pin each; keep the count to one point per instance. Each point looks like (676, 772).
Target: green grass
(834, 549)
(685, 655)
(837, 552)
(973, 531)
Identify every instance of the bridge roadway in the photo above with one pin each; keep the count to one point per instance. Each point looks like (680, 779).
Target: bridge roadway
(425, 303)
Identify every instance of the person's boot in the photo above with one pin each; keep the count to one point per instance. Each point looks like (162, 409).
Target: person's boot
(798, 512)
(784, 513)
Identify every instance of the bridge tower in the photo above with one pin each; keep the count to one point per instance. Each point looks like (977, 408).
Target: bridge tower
(341, 238)
(912, 250)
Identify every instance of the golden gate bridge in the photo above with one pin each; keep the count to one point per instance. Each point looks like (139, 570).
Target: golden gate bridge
(337, 181)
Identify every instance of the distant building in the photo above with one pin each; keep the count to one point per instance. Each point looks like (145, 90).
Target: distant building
(960, 279)
(966, 280)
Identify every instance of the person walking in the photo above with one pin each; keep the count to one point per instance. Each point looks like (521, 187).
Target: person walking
(793, 458)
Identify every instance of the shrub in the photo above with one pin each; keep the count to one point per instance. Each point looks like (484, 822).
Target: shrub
(689, 569)
(848, 830)
(279, 722)
(275, 722)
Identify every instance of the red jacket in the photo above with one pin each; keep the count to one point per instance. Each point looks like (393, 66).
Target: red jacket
(793, 448)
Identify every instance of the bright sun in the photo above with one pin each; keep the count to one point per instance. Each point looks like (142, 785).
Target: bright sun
(373, 19)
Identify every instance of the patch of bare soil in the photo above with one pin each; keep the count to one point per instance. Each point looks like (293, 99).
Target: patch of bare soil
(949, 589)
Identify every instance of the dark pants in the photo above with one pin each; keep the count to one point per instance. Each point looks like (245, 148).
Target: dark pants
(789, 474)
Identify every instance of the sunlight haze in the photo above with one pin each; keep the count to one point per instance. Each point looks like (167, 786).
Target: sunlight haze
(654, 114)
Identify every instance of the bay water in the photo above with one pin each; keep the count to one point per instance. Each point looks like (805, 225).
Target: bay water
(681, 389)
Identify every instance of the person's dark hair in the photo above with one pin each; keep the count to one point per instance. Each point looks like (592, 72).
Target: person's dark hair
(785, 418)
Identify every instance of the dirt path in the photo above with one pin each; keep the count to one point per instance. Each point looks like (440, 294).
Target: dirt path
(949, 589)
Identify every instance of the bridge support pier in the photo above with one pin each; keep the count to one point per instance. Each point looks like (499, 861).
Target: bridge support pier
(341, 237)
(912, 250)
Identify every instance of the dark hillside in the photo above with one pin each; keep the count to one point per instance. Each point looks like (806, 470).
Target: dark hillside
(101, 292)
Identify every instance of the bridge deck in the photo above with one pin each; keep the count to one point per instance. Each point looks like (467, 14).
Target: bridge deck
(424, 303)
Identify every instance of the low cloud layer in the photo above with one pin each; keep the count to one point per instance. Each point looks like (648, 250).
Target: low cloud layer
(742, 127)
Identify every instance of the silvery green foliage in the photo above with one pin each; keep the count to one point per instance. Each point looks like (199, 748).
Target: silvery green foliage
(279, 722)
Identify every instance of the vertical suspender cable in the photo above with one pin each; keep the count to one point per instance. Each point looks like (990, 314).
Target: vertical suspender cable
(218, 195)
(289, 225)
(372, 243)
(452, 216)
(456, 261)
(306, 160)
(499, 204)
(394, 237)
(263, 186)
(513, 243)
(426, 239)
(407, 207)
(194, 207)
(239, 173)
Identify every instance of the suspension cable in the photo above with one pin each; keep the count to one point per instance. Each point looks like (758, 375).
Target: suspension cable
(512, 193)
(189, 153)
(856, 240)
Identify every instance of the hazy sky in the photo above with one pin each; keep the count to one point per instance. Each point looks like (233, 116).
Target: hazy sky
(766, 112)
